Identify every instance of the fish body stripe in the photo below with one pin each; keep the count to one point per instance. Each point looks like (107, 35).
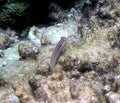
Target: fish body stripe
(56, 53)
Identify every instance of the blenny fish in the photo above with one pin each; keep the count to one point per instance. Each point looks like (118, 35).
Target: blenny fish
(56, 53)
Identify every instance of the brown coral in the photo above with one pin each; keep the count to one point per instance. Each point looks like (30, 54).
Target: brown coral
(21, 93)
(37, 89)
(27, 51)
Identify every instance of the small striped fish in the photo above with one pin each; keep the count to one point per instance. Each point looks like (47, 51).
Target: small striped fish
(56, 53)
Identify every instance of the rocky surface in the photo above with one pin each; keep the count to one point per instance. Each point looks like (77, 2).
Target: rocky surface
(27, 51)
(87, 70)
(21, 93)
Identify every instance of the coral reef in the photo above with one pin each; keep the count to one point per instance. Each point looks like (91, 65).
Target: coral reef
(87, 70)
(21, 93)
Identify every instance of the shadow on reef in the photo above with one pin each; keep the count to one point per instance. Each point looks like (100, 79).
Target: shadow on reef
(19, 14)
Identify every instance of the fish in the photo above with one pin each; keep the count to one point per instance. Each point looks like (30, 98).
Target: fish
(57, 52)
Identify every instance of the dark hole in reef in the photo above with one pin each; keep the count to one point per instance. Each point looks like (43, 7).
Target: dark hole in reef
(86, 67)
(37, 13)
(2, 82)
(88, 8)
(40, 11)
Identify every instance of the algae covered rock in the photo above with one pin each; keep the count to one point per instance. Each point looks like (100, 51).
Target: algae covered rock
(4, 42)
(43, 69)
(37, 89)
(58, 75)
(113, 97)
(27, 51)
(21, 93)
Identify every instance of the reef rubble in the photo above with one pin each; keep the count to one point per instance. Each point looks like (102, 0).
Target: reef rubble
(86, 71)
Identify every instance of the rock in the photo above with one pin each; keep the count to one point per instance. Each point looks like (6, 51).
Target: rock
(50, 35)
(21, 93)
(117, 39)
(59, 92)
(106, 89)
(34, 83)
(1, 53)
(37, 89)
(106, 12)
(111, 37)
(69, 62)
(108, 79)
(56, 12)
(44, 40)
(112, 83)
(74, 91)
(43, 69)
(2, 82)
(74, 74)
(32, 36)
(4, 42)
(113, 97)
(86, 96)
(12, 53)
(40, 94)
(57, 75)
(27, 51)
(116, 84)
